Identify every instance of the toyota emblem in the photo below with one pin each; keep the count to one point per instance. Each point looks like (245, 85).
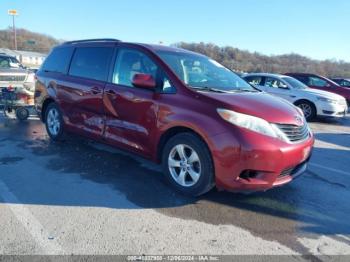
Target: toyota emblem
(299, 120)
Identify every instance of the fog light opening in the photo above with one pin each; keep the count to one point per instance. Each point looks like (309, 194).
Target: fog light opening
(248, 174)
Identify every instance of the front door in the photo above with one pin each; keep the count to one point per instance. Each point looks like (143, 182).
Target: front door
(278, 88)
(131, 112)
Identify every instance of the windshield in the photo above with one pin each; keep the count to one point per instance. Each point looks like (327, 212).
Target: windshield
(9, 62)
(294, 83)
(201, 72)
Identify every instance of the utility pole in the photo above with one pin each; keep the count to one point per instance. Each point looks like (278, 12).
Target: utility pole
(13, 13)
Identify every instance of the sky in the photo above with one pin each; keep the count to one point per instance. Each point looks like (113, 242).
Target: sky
(318, 29)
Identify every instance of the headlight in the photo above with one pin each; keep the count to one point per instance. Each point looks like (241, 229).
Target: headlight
(327, 100)
(253, 123)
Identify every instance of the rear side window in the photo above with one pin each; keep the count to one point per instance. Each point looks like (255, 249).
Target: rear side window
(91, 62)
(58, 60)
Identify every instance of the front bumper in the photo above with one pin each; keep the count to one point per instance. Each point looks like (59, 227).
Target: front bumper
(257, 162)
(332, 110)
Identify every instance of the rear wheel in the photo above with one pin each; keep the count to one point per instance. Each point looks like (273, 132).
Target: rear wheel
(54, 122)
(187, 164)
(308, 109)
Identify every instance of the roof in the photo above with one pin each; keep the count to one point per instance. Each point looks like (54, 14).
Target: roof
(165, 48)
(152, 47)
(340, 78)
(301, 74)
(264, 74)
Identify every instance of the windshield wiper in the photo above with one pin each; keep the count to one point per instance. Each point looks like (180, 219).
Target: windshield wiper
(206, 88)
(247, 90)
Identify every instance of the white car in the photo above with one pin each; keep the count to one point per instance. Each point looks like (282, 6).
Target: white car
(311, 101)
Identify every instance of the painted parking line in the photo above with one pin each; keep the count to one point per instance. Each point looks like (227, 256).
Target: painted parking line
(29, 222)
(330, 169)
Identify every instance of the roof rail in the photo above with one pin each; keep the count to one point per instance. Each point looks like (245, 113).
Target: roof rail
(92, 40)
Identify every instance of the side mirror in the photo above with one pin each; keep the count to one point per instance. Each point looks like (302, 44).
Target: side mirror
(14, 65)
(144, 81)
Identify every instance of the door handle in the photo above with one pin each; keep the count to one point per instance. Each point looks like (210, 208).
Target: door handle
(95, 90)
(111, 92)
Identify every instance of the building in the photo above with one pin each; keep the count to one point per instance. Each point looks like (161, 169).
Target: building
(27, 58)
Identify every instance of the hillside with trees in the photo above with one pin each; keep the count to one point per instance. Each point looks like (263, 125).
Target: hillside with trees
(233, 58)
(245, 61)
(27, 40)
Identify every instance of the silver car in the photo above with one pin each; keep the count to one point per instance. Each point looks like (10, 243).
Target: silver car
(312, 102)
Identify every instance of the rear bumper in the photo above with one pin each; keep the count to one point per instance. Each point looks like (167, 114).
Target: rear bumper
(258, 163)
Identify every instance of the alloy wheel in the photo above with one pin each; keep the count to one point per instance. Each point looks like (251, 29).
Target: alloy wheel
(184, 165)
(307, 110)
(53, 121)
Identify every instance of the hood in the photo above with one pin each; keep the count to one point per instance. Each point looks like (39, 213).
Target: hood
(322, 93)
(6, 71)
(263, 105)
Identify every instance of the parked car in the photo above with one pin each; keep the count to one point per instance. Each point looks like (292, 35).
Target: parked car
(312, 102)
(322, 83)
(202, 122)
(342, 81)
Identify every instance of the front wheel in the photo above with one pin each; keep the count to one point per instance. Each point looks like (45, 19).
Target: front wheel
(308, 109)
(54, 122)
(187, 164)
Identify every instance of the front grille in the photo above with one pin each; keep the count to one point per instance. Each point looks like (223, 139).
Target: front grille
(295, 133)
(12, 78)
(292, 170)
(286, 172)
(342, 102)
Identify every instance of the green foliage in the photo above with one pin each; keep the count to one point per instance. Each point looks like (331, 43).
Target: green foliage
(27, 40)
(240, 60)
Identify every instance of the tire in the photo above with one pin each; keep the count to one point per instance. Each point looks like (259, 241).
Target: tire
(54, 122)
(198, 177)
(308, 109)
(22, 113)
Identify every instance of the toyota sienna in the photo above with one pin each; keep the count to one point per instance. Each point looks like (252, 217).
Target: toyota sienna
(203, 123)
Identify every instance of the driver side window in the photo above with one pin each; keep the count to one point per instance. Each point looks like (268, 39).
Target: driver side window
(315, 81)
(130, 62)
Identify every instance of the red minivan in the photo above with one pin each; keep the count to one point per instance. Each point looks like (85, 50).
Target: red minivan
(202, 122)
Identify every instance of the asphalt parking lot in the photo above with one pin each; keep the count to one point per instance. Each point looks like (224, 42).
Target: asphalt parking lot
(79, 197)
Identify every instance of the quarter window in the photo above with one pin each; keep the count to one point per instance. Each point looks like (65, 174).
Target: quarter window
(58, 60)
(131, 62)
(91, 62)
